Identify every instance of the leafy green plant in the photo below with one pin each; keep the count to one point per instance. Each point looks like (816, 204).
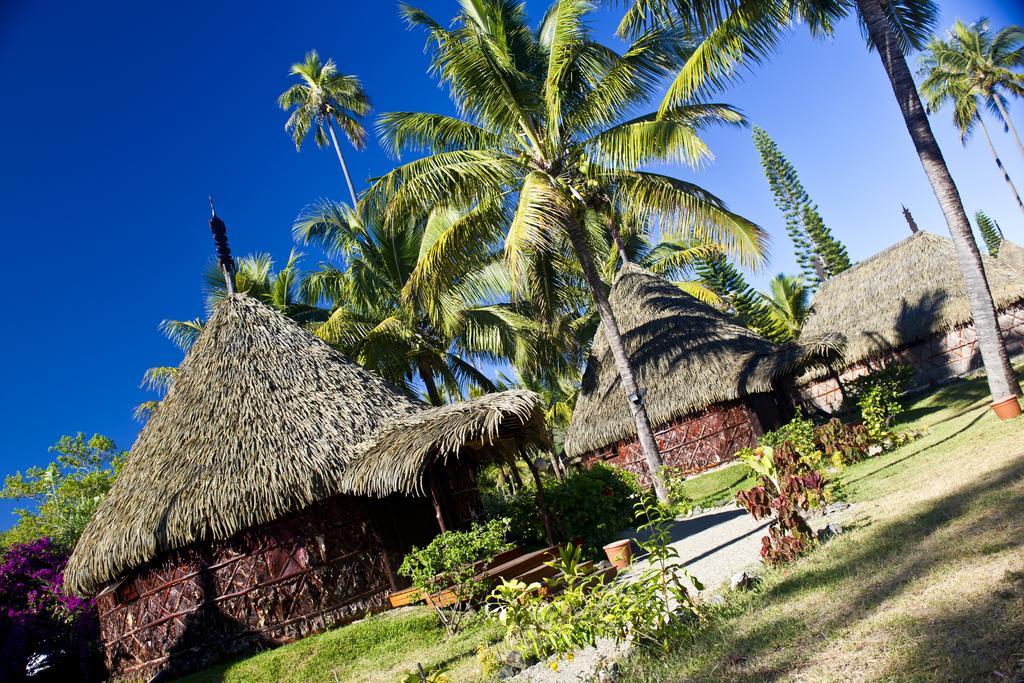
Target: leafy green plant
(799, 432)
(674, 482)
(64, 494)
(594, 505)
(843, 444)
(577, 606)
(879, 397)
(788, 488)
(449, 563)
(430, 674)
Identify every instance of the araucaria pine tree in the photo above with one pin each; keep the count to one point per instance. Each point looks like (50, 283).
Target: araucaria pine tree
(745, 303)
(811, 237)
(989, 232)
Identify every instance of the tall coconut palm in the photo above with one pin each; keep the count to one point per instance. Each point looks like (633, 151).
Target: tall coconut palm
(548, 122)
(747, 32)
(325, 98)
(972, 67)
(420, 301)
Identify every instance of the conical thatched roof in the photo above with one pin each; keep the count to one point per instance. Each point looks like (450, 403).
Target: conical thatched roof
(904, 294)
(263, 419)
(1012, 254)
(686, 354)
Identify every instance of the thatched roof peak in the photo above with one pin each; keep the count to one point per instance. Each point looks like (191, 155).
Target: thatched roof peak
(1012, 254)
(263, 419)
(686, 354)
(903, 294)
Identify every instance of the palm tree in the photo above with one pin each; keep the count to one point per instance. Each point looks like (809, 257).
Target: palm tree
(548, 126)
(787, 304)
(322, 99)
(970, 68)
(748, 31)
(420, 301)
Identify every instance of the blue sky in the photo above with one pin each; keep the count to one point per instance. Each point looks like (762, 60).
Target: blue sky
(122, 116)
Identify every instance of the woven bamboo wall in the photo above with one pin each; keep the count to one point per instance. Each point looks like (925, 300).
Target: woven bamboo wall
(691, 445)
(936, 359)
(265, 586)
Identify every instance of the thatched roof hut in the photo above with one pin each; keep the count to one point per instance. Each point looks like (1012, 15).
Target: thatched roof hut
(1012, 255)
(265, 419)
(687, 355)
(907, 293)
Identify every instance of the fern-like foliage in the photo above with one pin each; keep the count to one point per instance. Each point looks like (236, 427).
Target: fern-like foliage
(811, 238)
(990, 232)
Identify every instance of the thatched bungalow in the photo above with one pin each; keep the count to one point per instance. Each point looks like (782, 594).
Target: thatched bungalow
(273, 493)
(713, 386)
(908, 304)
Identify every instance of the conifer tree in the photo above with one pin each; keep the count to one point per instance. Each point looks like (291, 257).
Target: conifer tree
(744, 302)
(811, 237)
(989, 232)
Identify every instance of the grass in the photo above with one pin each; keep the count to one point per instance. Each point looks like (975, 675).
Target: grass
(927, 585)
(380, 648)
(718, 487)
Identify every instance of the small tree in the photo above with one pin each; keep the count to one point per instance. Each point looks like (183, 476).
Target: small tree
(445, 570)
(63, 495)
(811, 237)
(990, 232)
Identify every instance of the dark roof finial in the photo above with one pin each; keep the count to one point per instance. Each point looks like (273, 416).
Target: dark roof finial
(220, 239)
(910, 220)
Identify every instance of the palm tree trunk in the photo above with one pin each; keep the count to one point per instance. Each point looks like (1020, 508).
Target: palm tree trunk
(634, 395)
(341, 159)
(999, 163)
(428, 381)
(1002, 381)
(1005, 115)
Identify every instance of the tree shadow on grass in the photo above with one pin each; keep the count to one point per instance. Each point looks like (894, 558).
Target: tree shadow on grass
(885, 564)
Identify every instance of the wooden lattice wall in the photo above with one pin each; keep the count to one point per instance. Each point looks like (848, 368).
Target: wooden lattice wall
(692, 444)
(265, 586)
(936, 359)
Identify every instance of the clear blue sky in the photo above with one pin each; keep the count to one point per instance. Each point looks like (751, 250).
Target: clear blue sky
(121, 116)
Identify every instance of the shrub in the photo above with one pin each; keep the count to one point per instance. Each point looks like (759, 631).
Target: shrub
(38, 618)
(879, 397)
(574, 609)
(843, 444)
(799, 432)
(450, 562)
(674, 481)
(788, 487)
(594, 505)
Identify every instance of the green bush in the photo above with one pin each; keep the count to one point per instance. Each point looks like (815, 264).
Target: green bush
(843, 444)
(449, 562)
(799, 432)
(594, 505)
(879, 397)
(574, 609)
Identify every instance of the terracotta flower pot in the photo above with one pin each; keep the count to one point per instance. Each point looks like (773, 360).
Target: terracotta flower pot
(620, 553)
(1007, 409)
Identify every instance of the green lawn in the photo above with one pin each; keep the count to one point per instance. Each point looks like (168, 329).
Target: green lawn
(381, 648)
(927, 585)
(719, 487)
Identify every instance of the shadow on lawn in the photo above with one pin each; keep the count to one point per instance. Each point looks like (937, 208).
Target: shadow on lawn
(885, 564)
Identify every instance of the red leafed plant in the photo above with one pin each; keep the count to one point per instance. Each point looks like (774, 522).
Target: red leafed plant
(788, 488)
